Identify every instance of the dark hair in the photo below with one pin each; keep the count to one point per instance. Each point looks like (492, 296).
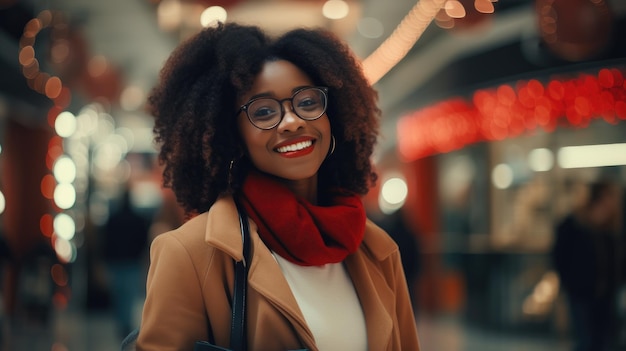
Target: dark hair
(194, 105)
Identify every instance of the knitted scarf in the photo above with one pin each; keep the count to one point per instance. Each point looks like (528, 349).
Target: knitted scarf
(303, 233)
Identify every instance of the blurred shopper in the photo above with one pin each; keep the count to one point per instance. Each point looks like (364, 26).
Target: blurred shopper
(588, 256)
(286, 126)
(125, 249)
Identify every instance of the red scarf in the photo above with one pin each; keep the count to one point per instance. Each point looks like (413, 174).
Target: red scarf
(305, 234)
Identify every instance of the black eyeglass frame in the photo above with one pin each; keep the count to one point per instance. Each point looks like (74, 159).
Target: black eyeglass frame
(245, 106)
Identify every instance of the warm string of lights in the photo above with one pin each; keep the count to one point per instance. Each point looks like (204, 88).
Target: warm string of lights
(42, 82)
(57, 226)
(512, 109)
(411, 28)
(463, 12)
(398, 44)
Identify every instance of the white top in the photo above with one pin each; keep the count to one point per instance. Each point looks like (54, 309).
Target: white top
(329, 303)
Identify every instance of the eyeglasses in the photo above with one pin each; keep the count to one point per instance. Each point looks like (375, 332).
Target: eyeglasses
(307, 103)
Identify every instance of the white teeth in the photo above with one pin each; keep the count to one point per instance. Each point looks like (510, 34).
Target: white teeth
(295, 147)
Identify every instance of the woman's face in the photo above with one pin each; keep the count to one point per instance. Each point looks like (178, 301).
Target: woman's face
(295, 148)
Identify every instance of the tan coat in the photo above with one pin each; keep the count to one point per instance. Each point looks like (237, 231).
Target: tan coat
(189, 289)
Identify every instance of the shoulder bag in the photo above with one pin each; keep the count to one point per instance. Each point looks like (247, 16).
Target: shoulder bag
(238, 320)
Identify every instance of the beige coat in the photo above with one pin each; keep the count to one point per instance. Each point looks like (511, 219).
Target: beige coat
(190, 279)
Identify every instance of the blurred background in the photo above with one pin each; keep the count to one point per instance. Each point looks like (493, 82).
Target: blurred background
(498, 118)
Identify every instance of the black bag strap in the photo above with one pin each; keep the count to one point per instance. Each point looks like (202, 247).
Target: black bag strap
(238, 321)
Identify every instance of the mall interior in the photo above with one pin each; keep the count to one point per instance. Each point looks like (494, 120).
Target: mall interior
(499, 118)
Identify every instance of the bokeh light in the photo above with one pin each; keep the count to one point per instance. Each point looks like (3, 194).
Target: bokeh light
(46, 225)
(53, 87)
(64, 170)
(65, 250)
(541, 160)
(393, 194)
(59, 275)
(335, 9)
(502, 176)
(64, 226)
(213, 15)
(64, 196)
(48, 183)
(587, 156)
(65, 124)
(2, 202)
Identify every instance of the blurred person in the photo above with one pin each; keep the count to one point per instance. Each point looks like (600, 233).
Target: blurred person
(126, 234)
(286, 126)
(588, 256)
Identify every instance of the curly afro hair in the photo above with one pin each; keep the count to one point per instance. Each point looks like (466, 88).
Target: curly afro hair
(194, 105)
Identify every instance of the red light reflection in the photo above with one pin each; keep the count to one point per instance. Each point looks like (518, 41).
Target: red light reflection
(510, 110)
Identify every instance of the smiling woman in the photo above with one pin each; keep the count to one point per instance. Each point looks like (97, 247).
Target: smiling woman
(302, 139)
(284, 128)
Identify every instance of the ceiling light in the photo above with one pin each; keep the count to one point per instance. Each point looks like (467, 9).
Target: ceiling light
(213, 15)
(586, 156)
(335, 9)
(502, 176)
(540, 160)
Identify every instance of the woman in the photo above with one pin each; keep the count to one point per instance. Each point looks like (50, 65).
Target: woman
(287, 126)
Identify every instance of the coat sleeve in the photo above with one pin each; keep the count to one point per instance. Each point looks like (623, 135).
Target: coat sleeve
(404, 310)
(173, 315)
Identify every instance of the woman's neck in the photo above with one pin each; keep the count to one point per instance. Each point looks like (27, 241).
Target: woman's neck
(304, 188)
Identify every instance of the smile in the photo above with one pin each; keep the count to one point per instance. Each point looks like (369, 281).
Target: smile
(295, 147)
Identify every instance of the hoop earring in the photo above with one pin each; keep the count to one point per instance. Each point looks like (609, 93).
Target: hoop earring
(333, 143)
(230, 173)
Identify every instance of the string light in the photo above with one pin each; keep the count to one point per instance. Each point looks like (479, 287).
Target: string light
(512, 109)
(398, 44)
(44, 83)
(60, 230)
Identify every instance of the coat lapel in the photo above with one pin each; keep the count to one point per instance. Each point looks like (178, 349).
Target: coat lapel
(264, 275)
(377, 298)
(222, 228)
